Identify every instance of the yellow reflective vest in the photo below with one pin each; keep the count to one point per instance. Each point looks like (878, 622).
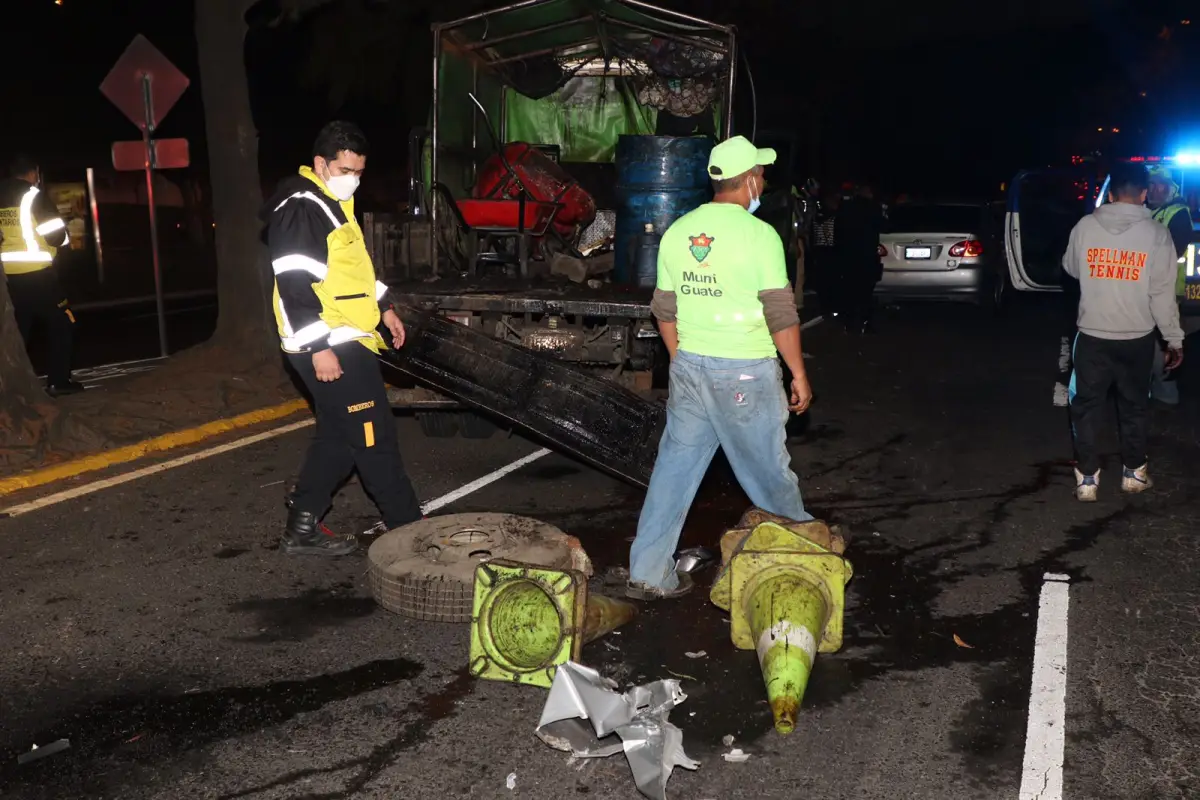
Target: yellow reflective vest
(325, 288)
(25, 225)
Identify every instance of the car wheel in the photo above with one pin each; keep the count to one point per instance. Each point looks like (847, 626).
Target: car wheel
(998, 293)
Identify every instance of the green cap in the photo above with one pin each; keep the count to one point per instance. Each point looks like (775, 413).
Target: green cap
(737, 156)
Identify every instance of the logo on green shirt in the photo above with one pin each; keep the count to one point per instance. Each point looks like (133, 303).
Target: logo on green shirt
(701, 246)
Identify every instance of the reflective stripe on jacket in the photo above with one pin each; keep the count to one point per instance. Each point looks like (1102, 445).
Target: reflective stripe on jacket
(27, 227)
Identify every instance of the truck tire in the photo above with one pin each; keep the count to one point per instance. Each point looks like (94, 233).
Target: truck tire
(473, 426)
(438, 424)
(426, 570)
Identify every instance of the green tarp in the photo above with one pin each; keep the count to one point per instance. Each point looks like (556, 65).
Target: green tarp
(584, 118)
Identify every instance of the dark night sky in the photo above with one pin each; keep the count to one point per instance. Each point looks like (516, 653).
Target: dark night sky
(917, 95)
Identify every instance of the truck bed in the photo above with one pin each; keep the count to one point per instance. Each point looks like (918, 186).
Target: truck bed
(528, 296)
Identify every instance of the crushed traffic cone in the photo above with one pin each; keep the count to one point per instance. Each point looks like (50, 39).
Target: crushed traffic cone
(527, 620)
(786, 597)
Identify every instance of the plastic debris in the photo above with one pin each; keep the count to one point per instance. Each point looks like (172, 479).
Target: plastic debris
(634, 722)
(961, 643)
(42, 752)
(736, 756)
(728, 740)
(697, 654)
(511, 782)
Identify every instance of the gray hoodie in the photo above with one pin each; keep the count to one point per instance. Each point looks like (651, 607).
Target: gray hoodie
(1126, 266)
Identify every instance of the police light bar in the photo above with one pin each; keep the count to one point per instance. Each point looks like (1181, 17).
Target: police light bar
(1188, 159)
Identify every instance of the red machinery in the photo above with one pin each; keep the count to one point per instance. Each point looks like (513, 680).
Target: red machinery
(544, 181)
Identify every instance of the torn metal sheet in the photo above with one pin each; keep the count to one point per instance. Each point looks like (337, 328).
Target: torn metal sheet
(694, 559)
(45, 750)
(635, 722)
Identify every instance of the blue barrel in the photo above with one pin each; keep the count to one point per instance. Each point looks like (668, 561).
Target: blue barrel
(659, 179)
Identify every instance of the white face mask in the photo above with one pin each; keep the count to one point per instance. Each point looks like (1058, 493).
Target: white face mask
(342, 186)
(755, 200)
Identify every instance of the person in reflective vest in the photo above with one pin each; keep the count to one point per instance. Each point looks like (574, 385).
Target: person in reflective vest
(31, 232)
(327, 306)
(1168, 208)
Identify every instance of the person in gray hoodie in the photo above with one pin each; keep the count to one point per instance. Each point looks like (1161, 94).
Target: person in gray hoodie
(1125, 262)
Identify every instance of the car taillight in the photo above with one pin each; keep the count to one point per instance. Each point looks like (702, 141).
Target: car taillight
(882, 251)
(968, 249)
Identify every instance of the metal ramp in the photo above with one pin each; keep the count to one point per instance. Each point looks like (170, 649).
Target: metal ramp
(592, 419)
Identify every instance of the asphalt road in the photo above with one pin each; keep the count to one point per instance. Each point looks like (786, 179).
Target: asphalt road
(153, 625)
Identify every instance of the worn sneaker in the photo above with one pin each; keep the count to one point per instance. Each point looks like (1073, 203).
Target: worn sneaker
(1135, 481)
(306, 535)
(1087, 487)
(636, 590)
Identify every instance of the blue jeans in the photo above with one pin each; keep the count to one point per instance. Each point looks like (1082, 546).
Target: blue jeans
(738, 404)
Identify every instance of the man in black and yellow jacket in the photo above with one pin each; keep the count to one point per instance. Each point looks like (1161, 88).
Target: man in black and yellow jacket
(31, 231)
(327, 306)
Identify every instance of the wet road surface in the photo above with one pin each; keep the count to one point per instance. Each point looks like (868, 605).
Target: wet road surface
(153, 625)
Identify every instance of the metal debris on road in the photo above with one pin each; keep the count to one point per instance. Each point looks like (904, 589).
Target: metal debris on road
(511, 782)
(694, 559)
(378, 529)
(728, 740)
(736, 756)
(42, 752)
(634, 722)
(697, 654)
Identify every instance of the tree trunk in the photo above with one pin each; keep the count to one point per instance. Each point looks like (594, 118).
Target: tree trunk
(244, 319)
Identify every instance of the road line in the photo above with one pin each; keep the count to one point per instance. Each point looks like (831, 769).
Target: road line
(813, 322)
(476, 485)
(121, 455)
(117, 480)
(1045, 736)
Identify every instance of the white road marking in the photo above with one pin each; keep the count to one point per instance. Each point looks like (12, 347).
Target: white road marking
(1045, 736)
(476, 485)
(153, 469)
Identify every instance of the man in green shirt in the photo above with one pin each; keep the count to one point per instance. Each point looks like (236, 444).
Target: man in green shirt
(724, 308)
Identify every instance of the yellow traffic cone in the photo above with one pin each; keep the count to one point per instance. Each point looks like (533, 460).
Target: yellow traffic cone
(787, 615)
(786, 597)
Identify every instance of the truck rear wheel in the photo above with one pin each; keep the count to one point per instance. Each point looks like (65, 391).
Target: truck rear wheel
(473, 426)
(438, 424)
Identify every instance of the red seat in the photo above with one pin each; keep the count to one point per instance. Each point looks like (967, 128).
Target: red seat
(499, 216)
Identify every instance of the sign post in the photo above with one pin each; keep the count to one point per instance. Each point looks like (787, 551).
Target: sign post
(148, 103)
(145, 86)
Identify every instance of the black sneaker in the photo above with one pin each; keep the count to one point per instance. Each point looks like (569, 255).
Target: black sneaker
(307, 536)
(60, 389)
(636, 590)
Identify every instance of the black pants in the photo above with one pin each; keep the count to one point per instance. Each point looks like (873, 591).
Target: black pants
(38, 299)
(858, 295)
(355, 428)
(1101, 364)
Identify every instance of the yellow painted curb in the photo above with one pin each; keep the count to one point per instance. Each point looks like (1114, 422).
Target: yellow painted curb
(120, 455)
